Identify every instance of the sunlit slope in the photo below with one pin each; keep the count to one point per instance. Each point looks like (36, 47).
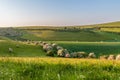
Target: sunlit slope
(74, 33)
(23, 50)
(68, 33)
(49, 35)
(111, 24)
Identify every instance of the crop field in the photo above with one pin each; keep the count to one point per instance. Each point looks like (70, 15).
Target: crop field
(49, 35)
(111, 29)
(21, 58)
(58, 69)
(99, 48)
(32, 50)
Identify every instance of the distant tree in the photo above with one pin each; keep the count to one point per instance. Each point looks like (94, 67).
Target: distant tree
(65, 27)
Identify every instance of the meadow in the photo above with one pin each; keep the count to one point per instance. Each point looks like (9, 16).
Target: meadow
(24, 50)
(28, 61)
(12, 68)
(31, 50)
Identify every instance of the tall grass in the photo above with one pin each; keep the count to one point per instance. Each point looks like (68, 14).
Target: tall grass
(58, 69)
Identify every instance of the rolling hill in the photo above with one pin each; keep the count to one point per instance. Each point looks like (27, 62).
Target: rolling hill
(71, 33)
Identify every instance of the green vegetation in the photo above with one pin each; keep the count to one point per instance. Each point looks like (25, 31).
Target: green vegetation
(74, 33)
(24, 50)
(49, 35)
(30, 50)
(117, 30)
(111, 24)
(58, 69)
(99, 48)
(23, 59)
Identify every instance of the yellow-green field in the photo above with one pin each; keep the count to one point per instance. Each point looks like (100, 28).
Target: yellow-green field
(12, 68)
(111, 29)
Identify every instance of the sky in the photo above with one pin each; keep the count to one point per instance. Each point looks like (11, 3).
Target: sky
(57, 12)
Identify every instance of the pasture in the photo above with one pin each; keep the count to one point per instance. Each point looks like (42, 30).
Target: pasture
(58, 69)
(28, 61)
(82, 35)
(24, 50)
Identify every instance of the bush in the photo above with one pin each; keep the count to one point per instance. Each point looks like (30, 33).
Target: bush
(82, 54)
(67, 55)
(50, 53)
(91, 55)
(59, 47)
(118, 57)
(17, 46)
(62, 52)
(74, 55)
(79, 54)
(103, 57)
(10, 50)
(111, 57)
(47, 47)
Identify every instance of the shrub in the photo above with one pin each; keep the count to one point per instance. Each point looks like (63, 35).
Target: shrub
(50, 53)
(47, 47)
(10, 50)
(67, 55)
(59, 47)
(91, 55)
(54, 45)
(118, 57)
(62, 52)
(103, 57)
(17, 46)
(111, 57)
(81, 54)
(74, 55)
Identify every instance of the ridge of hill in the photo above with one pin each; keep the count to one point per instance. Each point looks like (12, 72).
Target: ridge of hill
(108, 24)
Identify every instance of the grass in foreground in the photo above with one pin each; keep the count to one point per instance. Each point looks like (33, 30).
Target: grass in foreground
(58, 69)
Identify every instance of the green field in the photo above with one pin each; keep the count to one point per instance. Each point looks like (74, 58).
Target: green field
(99, 48)
(49, 35)
(28, 61)
(58, 69)
(24, 50)
(32, 50)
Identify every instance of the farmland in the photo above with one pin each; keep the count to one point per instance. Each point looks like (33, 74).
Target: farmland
(24, 50)
(28, 60)
(58, 69)
(89, 36)
(32, 50)
(100, 48)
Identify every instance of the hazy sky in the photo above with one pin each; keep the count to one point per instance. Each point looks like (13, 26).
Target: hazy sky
(58, 12)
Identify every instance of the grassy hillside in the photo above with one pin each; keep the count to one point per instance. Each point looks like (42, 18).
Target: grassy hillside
(83, 35)
(111, 24)
(115, 30)
(70, 33)
(24, 50)
(74, 33)
(31, 50)
(58, 69)
(4, 38)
